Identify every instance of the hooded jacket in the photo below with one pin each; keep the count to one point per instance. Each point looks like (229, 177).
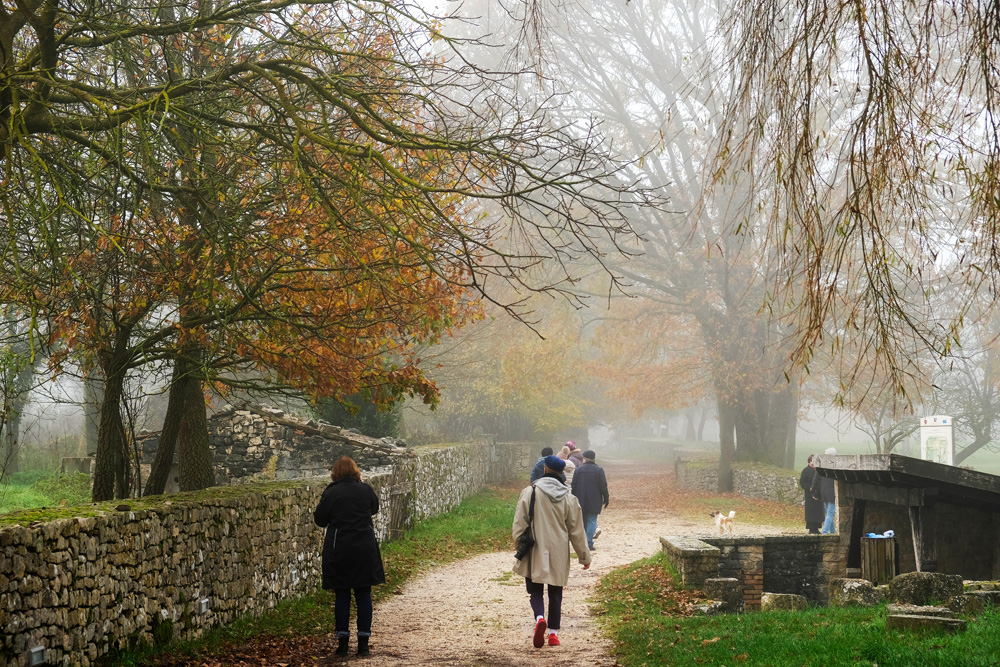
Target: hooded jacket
(558, 523)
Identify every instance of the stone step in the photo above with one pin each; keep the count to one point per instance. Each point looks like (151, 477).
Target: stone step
(917, 622)
(916, 610)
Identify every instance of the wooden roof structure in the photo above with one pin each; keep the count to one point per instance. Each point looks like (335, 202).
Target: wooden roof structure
(906, 481)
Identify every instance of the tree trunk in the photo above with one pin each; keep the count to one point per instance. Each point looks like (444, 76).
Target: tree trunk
(164, 460)
(727, 445)
(109, 462)
(93, 397)
(195, 460)
(747, 427)
(781, 427)
(690, 415)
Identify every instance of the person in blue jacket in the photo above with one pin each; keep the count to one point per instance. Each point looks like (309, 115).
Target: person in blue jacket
(539, 469)
(351, 556)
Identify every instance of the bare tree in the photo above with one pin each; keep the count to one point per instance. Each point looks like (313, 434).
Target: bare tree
(871, 133)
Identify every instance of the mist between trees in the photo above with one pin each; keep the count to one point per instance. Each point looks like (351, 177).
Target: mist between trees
(533, 216)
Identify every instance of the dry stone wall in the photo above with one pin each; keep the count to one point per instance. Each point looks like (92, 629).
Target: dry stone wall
(781, 488)
(77, 590)
(253, 443)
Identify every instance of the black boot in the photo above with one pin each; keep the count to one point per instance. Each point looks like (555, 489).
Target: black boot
(363, 646)
(342, 645)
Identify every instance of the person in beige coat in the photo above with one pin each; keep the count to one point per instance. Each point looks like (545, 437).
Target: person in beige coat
(557, 523)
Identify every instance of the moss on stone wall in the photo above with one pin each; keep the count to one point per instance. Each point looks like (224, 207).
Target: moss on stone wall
(91, 579)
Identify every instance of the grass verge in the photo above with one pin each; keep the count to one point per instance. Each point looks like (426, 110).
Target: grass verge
(36, 489)
(480, 524)
(644, 612)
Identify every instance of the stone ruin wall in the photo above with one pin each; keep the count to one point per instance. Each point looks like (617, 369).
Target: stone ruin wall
(253, 443)
(83, 588)
(746, 482)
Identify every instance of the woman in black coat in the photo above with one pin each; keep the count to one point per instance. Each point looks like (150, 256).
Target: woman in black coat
(815, 514)
(351, 557)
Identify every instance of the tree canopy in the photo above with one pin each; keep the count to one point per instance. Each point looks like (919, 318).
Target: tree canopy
(295, 188)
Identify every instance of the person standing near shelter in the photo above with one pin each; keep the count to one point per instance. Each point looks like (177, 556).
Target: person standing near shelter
(814, 510)
(556, 521)
(825, 490)
(590, 486)
(351, 556)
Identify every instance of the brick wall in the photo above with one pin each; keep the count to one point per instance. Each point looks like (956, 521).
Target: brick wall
(799, 564)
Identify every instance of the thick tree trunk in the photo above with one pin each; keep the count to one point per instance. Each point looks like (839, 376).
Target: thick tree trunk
(164, 461)
(747, 427)
(195, 461)
(781, 427)
(109, 462)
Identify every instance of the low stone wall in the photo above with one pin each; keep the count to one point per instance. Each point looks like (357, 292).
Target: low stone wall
(797, 564)
(82, 588)
(780, 488)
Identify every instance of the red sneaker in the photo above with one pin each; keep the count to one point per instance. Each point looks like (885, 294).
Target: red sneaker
(539, 639)
(553, 640)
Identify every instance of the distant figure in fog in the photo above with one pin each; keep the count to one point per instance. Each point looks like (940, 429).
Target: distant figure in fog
(570, 466)
(590, 486)
(351, 556)
(575, 455)
(814, 510)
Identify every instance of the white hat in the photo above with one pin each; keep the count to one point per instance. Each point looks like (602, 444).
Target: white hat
(830, 450)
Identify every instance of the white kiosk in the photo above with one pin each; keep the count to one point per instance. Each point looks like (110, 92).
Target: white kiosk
(937, 439)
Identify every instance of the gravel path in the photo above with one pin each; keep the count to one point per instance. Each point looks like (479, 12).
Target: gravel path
(475, 612)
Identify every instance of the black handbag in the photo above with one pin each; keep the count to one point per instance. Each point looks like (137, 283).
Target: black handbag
(527, 538)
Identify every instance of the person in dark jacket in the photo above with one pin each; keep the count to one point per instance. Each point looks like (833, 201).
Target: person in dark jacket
(814, 511)
(539, 469)
(351, 556)
(590, 486)
(824, 489)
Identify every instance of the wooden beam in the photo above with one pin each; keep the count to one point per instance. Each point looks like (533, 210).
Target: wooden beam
(894, 495)
(924, 543)
(857, 532)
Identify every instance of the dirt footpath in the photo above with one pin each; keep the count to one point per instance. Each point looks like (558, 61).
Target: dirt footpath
(475, 612)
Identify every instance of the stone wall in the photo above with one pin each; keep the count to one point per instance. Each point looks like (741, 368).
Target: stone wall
(254, 443)
(777, 487)
(798, 564)
(82, 588)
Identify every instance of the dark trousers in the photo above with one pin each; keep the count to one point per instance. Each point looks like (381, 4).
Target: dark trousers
(538, 603)
(342, 610)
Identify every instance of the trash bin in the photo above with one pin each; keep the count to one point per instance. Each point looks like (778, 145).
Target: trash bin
(879, 559)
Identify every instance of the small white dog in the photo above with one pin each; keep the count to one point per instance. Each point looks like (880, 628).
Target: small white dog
(725, 523)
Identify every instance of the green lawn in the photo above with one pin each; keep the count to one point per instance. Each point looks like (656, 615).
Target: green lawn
(643, 610)
(38, 489)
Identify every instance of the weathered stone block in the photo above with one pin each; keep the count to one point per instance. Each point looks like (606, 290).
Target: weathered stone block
(924, 623)
(854, 593)
(918, 610)
(922, 588)
(727, 590)
(782, 602)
